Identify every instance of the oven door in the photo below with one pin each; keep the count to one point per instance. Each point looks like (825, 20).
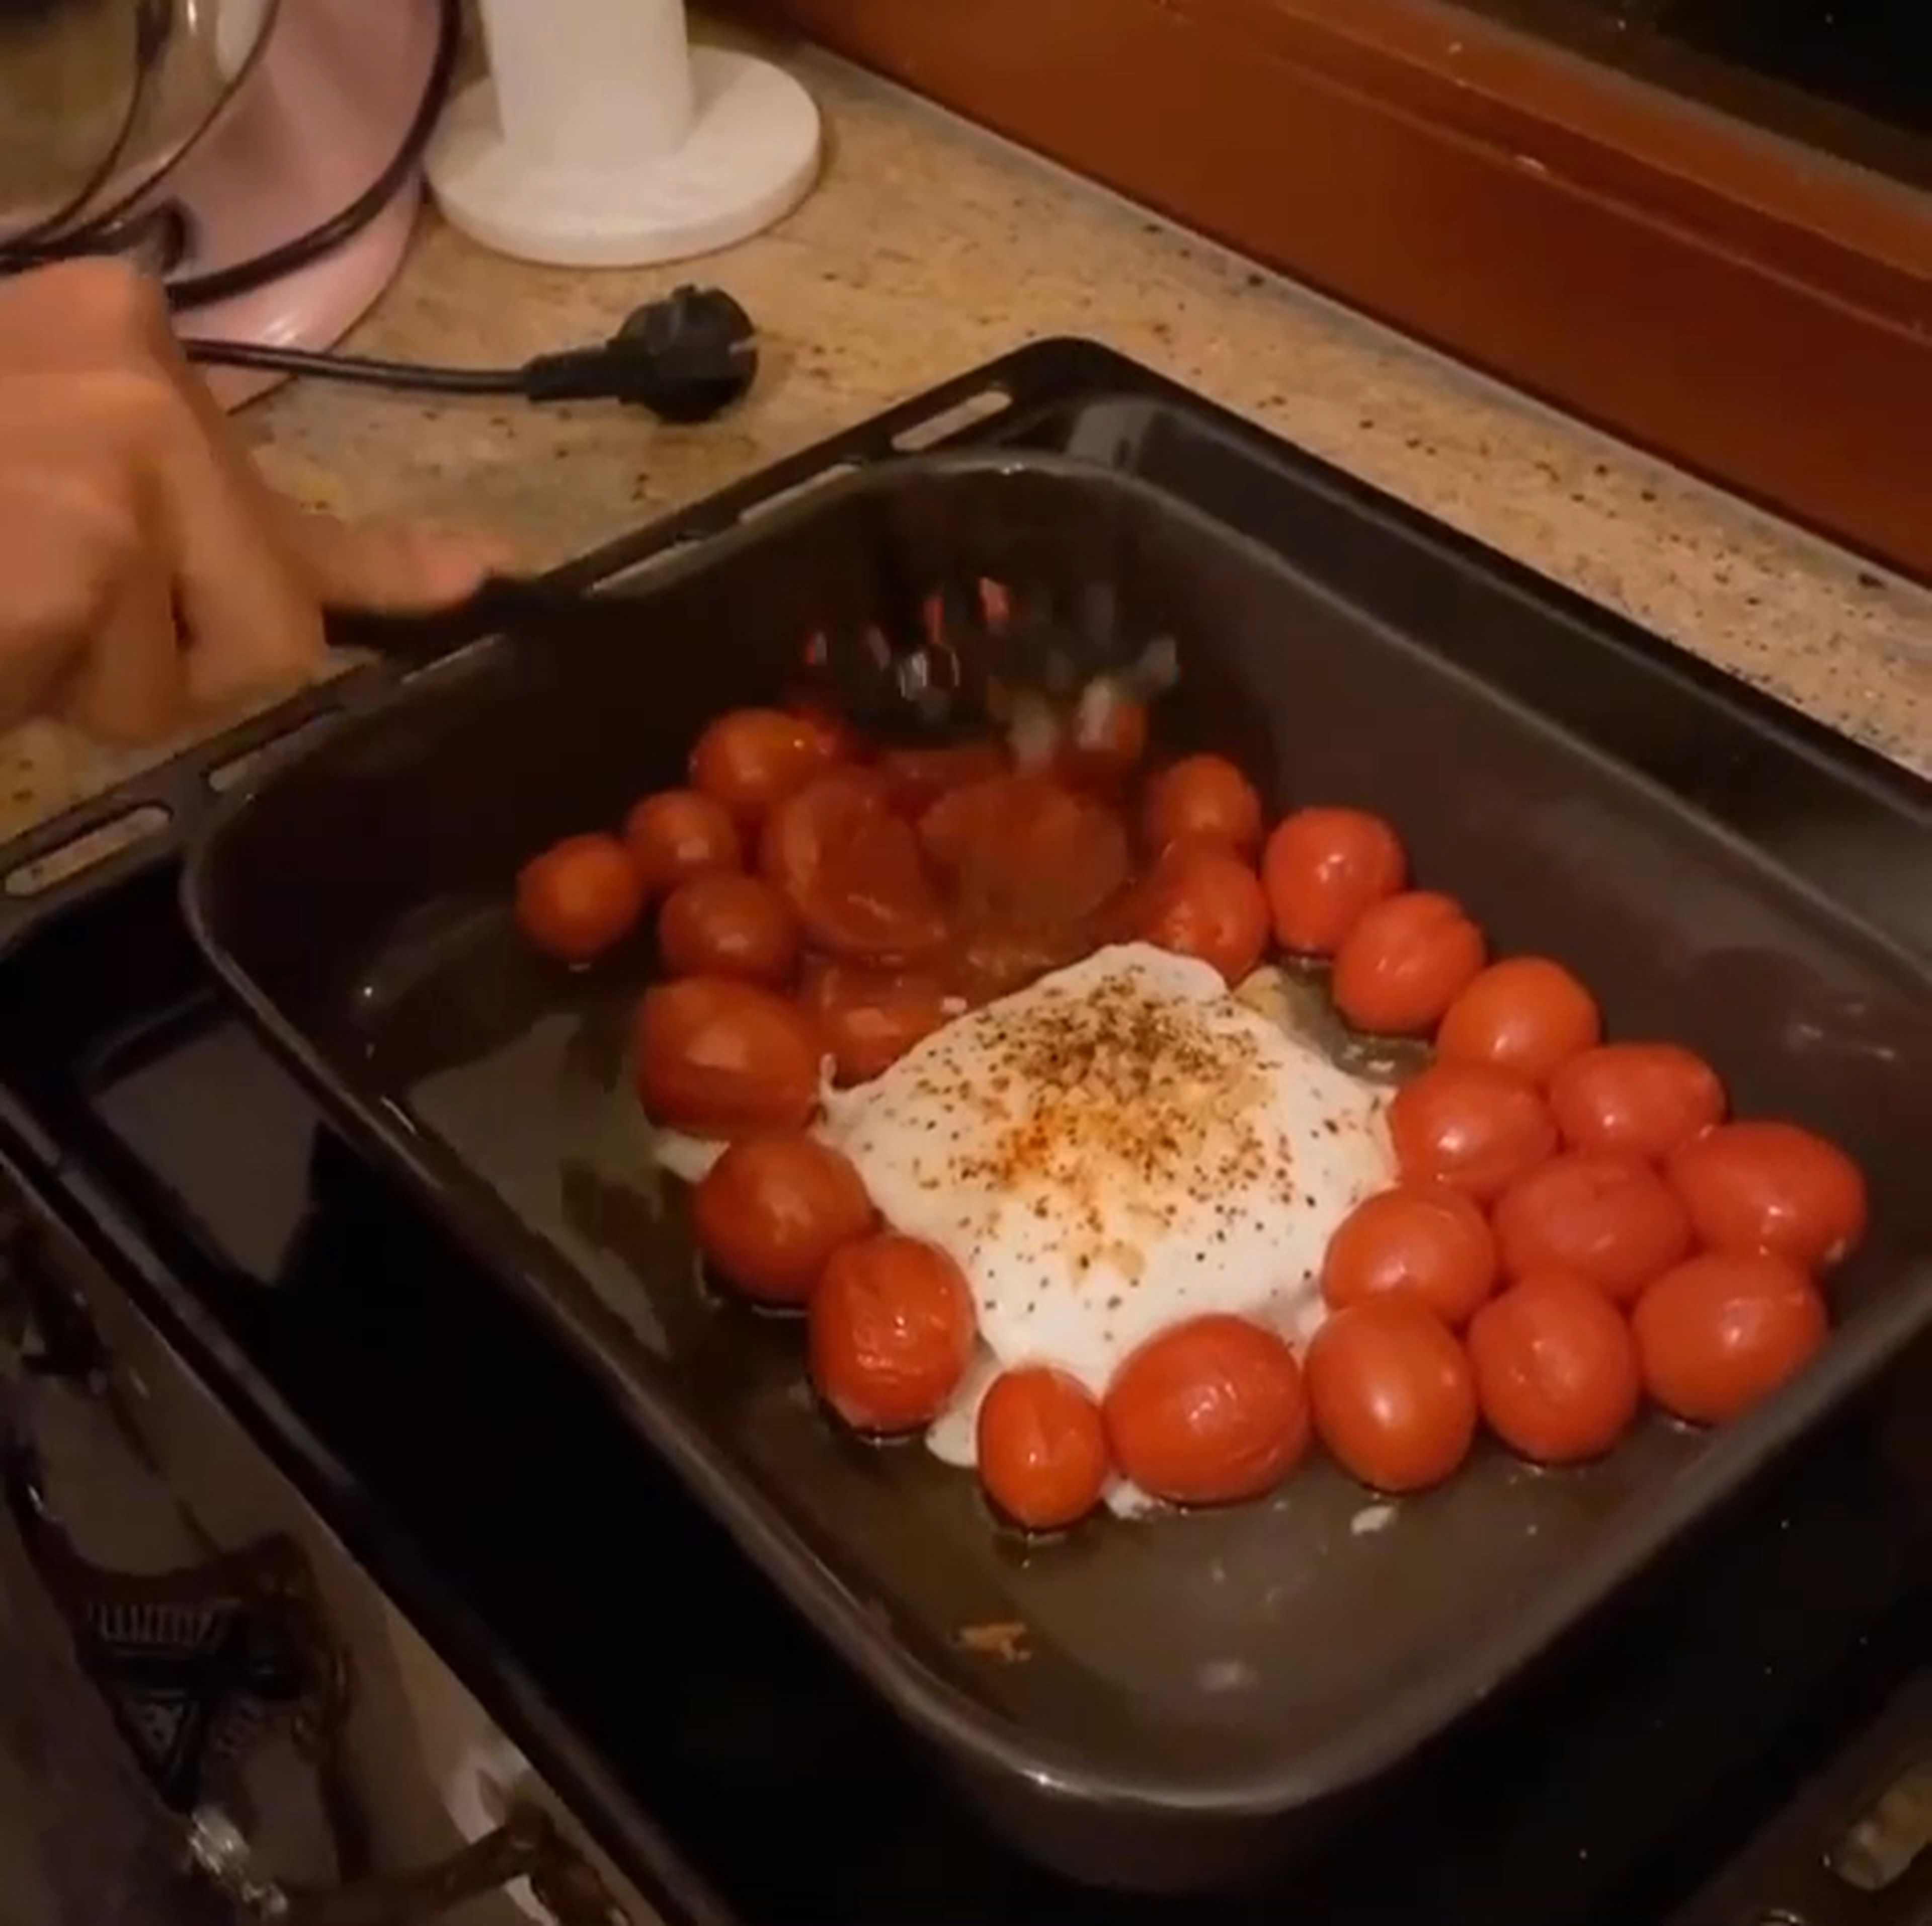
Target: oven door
(219, 1714)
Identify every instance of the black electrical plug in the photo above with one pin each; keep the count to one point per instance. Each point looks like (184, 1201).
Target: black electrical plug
(685, 357)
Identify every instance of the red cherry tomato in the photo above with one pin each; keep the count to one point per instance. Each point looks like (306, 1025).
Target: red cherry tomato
(838, 742)
(889, 1333)
(1610, 1220)
(1426, 1241)
(1767, 1186)
(727, 925)
(1201, 795)
(1391, 1394)
(1405, 962)
(677, 835)
(723, 1058)
(1043, 1450)
(1469, 1126)
(870, 1018)
(916, 778)
(1210, 1411)
(1525, 1014)
(770, 1212)
(1721, 1333)
(1203, 901)
(578, 898)
(1556, 1369)
(851, 870)
(1639, 1100)
(752, 759)
(1322, 868)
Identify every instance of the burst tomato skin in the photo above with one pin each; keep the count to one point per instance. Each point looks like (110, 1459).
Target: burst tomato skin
(1612, 1220)
(1042, 1448)
(1556, 1369)
(1209, 1412)
(889, 1333)
(1405, 963)
(725, 1059)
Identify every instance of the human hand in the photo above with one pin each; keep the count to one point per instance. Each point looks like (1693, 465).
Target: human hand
(147, 571)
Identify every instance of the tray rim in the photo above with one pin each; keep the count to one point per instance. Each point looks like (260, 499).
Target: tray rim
(946, 1713)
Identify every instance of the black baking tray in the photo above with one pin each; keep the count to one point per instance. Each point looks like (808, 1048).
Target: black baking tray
(1201, 1692)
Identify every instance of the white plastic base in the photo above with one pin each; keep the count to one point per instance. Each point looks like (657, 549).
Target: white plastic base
(749, 158)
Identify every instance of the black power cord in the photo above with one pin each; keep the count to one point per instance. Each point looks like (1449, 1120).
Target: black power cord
(685, 358)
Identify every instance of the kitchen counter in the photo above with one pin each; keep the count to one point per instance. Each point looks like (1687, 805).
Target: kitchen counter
(929, 246)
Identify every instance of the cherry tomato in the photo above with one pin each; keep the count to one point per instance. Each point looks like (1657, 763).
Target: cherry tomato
(1722, 1332)
(837, 741)
(1769, 1186)
(677, 835)
(916, 778)
(1556, 1369)
(1610, 1220)
(1525, 1014)
(1103, 757)
(728, 925)
(1323, 868)
(889, 1332)
(1405, 962)
(1643, 1100)
(752, 759)
(1042, 1449)
(1201, 795)
(1424, 1241)
(1391, 1394)
(851, 870)
(1205, 902)
(1466, 1125)
(578, 898)
(723, 1058)
(870, 1018)
(770, 1212)
(996, 959)
(1210, 1411)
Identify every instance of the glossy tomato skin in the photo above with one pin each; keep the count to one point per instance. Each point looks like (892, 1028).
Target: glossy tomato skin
(1405, 962)
(1042, 1448)
(725, 924)
(1721, 1332)
(750, 760)
(1424, 1241)
(725, 1059)
(916, 778)
(1635, 1099)
(1473, 1128)
(1201, 795)
(770, 1212)
(870, 1018)
(1391, 1394)
(1770, 1186)
(851, 871)
(889, 1333)
(1525, 1014)
(1556, 1369)
(1203, 901)
(1209, 1412)
(679, 833)
(1611, 1220)
(1321, 869)
(577, 899)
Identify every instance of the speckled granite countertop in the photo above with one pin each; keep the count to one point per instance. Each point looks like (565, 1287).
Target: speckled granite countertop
(928, 247)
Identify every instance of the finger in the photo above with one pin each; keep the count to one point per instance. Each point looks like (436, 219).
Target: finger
(65, 544)
(130, 682)
(390, 566)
